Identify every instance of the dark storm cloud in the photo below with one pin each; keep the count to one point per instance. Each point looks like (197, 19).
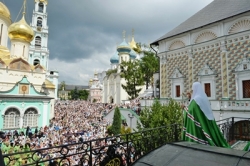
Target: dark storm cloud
(86, 32)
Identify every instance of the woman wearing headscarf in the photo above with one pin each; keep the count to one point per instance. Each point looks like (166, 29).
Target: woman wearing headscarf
(199, 123)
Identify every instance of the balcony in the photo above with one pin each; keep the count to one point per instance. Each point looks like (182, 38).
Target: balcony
(226, 105)
(122, 149)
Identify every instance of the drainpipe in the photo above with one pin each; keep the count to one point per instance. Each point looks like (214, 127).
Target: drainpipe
(159, 69)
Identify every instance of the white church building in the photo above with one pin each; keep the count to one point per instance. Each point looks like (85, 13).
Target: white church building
(27, 88)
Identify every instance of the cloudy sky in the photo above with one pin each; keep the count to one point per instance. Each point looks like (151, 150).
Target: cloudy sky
(83, 34)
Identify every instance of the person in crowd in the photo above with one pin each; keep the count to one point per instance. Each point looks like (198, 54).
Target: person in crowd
(199, 122)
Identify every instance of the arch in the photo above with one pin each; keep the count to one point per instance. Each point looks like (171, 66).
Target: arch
(11, 118)
(205, 36)
(36, 62)
(111, 99)
(40, 7)
(38, 41)
(30, 117)
(239, 26)
(19, 64)
(176, 44)
(39, 22)
(241, 130)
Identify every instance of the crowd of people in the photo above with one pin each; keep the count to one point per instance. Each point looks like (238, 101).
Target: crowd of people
(73, 122)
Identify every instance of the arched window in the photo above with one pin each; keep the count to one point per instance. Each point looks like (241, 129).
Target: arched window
(40, 7)
(11, 118)
(39, 22)
(38, 42)
(30, 117)
(36, 62)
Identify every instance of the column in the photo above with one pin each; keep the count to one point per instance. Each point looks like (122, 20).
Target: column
(190, 69)
(224, 75)
(45, 113)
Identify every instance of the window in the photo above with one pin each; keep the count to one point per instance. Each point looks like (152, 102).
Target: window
(39, 22)
(40, 7)
(11, 118)
(207, 88)
(30, 117)
(246, 88)
(177, 91)
(38, 42)
(36, 62)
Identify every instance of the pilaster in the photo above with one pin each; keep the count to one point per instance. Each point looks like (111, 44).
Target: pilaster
(224, 72)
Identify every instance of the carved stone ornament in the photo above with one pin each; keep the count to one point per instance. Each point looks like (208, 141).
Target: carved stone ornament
(206, 70)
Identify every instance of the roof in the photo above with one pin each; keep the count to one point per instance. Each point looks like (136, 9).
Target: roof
(215, 11)
(78, 87)
(49, 84)
(190, 154)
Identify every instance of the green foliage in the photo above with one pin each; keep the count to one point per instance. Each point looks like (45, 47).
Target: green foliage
(125, 130)
(132, 74)
(83, 94)
(62, 85)
(149, 65)
(117, 122)
(74, 94)
(111, 71)
(79, 94)
(159, 115)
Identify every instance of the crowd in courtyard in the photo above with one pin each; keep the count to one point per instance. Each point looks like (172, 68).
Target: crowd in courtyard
(73, 122)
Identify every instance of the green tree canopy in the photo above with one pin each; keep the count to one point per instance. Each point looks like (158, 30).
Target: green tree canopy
(62, 85)
(161, 115)
(149, 65)
(83, 94)
(131, 72)
(117, 122)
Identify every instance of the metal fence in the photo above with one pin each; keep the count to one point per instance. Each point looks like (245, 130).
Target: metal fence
(235, 129)
(121, 150)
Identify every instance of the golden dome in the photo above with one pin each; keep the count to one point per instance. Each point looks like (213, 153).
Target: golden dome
(4, 11)
(132, 44)
(21, 30)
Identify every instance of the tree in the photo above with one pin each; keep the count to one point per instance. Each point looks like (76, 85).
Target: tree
(111, 71)
(161, 115)
(117, 122)
(62, 85)
(149, 65)
(74, 94)
(83, 94)
(131, 72)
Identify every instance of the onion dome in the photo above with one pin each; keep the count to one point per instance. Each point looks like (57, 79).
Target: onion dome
(4, 11)
(123, 47)
(115, 58)
(21, 30)
(133, 43)
(132, 54)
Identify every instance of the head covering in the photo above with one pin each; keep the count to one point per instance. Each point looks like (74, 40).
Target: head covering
(201, 99)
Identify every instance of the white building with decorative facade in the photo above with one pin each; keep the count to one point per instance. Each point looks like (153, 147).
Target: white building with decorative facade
(27, 88)
(212, 47)
(112, 91)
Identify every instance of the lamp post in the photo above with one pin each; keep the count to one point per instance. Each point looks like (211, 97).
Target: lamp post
(131, 117)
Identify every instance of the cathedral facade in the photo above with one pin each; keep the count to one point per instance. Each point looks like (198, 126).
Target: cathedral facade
(112, 91)
(212, 47)
(27, 88)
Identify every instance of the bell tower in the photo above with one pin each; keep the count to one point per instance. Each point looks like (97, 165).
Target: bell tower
(39, 53)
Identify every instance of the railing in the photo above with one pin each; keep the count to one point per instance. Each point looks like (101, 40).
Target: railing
(215, 104)
(235, 129)
(120, 150)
